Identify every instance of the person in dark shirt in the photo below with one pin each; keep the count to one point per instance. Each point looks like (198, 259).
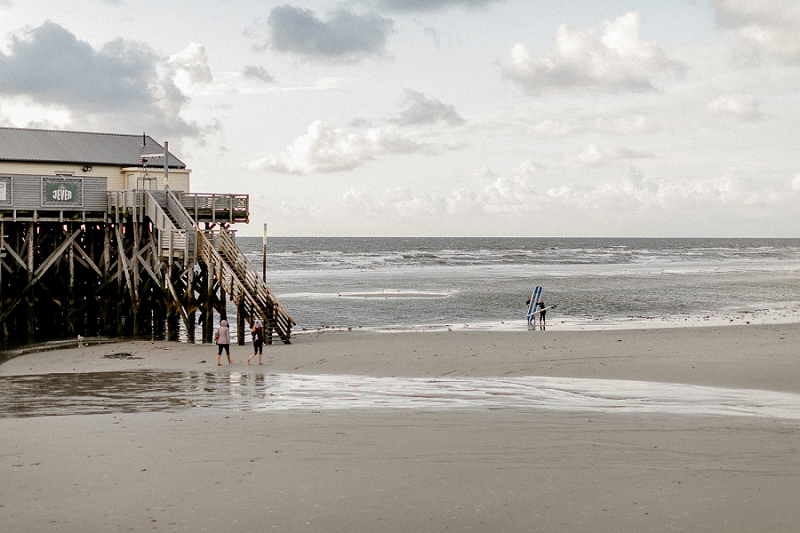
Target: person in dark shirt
(257, 333)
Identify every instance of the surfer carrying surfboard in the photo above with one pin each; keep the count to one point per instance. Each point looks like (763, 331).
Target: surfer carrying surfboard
(532, 304)
(542, 312)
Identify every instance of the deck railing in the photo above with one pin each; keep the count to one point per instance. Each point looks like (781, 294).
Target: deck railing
(201, 207)
(216, 208)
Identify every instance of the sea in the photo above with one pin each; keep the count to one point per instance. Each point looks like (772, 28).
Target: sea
(464, 284)
(420, 284)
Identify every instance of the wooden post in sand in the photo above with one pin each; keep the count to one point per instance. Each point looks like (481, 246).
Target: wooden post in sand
(190, 304)
(240, 315)
(106, 293)
(208, 325)
(30, 299)
(71, 288)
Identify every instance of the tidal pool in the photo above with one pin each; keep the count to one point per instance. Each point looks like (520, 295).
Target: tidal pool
(153, 391)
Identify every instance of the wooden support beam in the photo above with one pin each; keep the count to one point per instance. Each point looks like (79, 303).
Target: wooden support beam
(190, 304)
(85, 256)
(208, 325)
(149, 270)
(56, 255)
(177, 299)
(15, 256)
(123, 261)
(31, 315)
(71, 289)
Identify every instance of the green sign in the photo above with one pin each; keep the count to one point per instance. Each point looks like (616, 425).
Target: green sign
(62, 192)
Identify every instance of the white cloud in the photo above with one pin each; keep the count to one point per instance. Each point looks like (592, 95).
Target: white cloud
(763, 27)
(400, 202)
(796, 183)
(632, 125)
(191, 66)
(527, 190)
(593, 156)
(616, 59)
(324, 149)
(736, 107)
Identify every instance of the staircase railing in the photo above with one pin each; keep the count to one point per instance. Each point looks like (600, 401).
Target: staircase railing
(179, 235)
(171, 238)
(184, 221)
(140, 203)
(241, 282)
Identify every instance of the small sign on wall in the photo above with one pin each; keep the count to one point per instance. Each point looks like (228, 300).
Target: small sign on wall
(66, 192)
(5, 190)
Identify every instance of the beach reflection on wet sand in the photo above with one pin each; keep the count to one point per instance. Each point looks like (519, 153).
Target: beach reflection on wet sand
(157, 391)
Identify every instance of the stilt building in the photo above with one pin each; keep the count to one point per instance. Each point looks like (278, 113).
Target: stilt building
(100, 235)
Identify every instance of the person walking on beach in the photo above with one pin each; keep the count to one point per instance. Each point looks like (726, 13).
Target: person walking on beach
(223, 339)
(258, 340)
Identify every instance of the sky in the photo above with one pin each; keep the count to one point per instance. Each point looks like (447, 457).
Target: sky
(552, 118)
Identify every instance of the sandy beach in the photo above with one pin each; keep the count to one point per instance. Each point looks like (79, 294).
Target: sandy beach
(419, 470)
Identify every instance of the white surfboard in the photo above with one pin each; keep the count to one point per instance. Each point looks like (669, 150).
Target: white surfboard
(543, 309)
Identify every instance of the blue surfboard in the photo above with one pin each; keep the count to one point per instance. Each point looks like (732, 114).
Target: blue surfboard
(535, 297)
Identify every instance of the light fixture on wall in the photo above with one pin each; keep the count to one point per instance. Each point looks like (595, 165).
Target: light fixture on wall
(87, 168)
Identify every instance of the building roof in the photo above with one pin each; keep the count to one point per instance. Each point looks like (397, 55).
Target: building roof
(58, 146)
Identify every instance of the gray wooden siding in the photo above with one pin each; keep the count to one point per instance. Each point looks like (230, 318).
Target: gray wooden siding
(25, 193)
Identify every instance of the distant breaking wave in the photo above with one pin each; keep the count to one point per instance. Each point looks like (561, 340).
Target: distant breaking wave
(408, 294)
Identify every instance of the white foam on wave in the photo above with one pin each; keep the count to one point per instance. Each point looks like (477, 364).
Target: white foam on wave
(407, 294)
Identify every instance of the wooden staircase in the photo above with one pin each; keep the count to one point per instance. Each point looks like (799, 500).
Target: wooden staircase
(180, 238)
(235, 273)
(243, 284)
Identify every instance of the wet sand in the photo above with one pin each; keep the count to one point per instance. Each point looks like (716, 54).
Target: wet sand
(409, 470)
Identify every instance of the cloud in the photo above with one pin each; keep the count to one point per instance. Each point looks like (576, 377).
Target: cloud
(344, 36)
(528, 191)
(420, 110)
(593, 156)
(406, 6)
(191, 66)
(737, 108)
(120, 85)
(616, 60)
(633, 125)
(324, 149)
(763, 27)
(258, 73)
(400, 202)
